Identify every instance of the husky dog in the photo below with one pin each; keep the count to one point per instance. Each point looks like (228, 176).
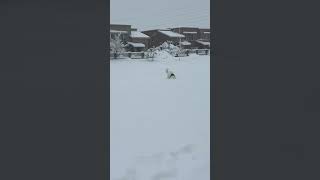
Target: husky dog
(170, 74)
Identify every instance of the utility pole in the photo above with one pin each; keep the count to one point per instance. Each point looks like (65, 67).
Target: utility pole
(180, 37)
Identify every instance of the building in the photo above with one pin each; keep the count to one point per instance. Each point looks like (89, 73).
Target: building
(130, 37)
(120, 29)
(186, 37)
(159, 36)
(197, 37)
(204, 39)
(138, 38)
(201, 44)
(191, 34)
(204, 34)
(135, 47)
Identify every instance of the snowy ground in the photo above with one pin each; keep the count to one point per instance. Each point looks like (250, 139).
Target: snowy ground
(160, 128)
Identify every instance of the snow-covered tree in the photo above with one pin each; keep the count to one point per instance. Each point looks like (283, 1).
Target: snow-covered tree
(165, 45)
(116, 45)
(150, 53)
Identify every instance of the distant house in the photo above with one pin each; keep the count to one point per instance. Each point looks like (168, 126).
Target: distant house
(197, 37)
(186, 44)
(191, 34)
(204, 39)
(201, 44)
(120, 29)
(204, 34)
(159, 36)
(186, 37)
(141, 38)
(135, 47)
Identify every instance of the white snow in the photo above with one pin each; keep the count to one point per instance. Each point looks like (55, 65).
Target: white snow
(204, 43)
(185, 43)
(160, 128)
(116, 31)
(171, 46)
(137, 44)
(188, 32)
(137, 34)
(171, 34)
(164, 45)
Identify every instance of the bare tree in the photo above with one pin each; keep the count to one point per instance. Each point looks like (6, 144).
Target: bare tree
(116, 45)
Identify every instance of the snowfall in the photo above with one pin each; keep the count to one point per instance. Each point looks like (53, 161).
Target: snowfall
(160, 128)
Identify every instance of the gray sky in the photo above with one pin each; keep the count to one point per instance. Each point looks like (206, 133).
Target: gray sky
(150, 14)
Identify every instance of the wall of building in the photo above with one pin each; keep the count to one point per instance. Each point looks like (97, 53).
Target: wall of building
(189, 37)
(145, 41)
(204, 35)
(121, 27)
(193, 37)
(158, 38)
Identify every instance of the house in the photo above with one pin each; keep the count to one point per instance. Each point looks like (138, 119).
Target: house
(197, 37)
(135, 47)
(139, 37)
(159, 36)
(204, 39)
(201, 44)
(185, 37)
(204, 34)
(186, 44)
(191, 34)
(130, 37)
(120, 29)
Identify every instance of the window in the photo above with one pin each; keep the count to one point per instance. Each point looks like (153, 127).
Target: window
(189, 37)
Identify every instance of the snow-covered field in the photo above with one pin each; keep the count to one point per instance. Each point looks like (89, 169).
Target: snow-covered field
(160, 128)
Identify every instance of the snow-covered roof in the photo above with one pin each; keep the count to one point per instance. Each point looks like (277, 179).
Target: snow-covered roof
(136, 34)
(206, 32)
(116, 31)
(171, 34)
(185, 43)
(141, 45)
(188, 32)
(204, 43)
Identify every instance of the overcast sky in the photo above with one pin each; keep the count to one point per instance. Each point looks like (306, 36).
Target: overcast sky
(149, 14)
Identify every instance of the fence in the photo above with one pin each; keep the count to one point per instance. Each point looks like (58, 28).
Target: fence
(132, 55)
(146, 55)
(186, 52)
(200, 51)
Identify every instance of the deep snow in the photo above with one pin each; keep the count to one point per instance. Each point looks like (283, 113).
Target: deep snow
(160, 128)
